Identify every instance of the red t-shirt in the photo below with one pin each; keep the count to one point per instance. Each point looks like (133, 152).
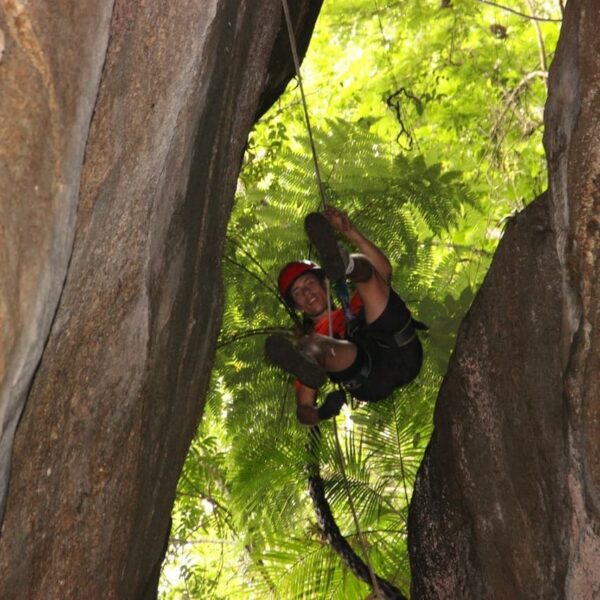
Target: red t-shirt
(338, 318)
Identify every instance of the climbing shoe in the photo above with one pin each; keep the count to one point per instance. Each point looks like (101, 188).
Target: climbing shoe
(322, 236)
(281, 352)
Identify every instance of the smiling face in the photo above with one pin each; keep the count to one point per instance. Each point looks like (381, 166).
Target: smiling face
(309, 295)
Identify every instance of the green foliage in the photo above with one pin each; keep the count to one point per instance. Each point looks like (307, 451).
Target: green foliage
(428, 130)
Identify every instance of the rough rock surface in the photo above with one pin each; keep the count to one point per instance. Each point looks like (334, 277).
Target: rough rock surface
(123, 126)
(48, 92)
(507, 501)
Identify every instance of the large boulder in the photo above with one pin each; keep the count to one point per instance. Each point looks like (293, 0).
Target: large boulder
(123, 129)
(48, 95)
(506, 503)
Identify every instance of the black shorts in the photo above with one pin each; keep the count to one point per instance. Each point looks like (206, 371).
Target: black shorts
(380, 366)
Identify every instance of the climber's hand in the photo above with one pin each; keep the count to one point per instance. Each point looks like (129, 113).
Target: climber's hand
(338, 219)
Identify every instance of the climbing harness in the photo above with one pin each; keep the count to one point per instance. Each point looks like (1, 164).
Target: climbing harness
(406, 335)
(356, 380)
(403, 337)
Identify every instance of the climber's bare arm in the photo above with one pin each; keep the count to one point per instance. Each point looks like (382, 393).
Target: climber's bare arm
(306, 411)
(341, 222)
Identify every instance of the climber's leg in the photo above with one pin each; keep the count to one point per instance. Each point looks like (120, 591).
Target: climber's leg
(311, 357)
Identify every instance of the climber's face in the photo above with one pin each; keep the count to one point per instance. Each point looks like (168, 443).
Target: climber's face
(309, 295)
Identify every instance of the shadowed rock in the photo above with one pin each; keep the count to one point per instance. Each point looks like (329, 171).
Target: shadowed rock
(123, 129)
(506, 500)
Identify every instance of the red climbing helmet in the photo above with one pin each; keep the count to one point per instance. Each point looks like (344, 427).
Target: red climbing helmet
(291, 272)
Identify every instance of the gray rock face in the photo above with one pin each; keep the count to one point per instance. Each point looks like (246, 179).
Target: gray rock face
(48, 94)
(506, 501)
(123, 128)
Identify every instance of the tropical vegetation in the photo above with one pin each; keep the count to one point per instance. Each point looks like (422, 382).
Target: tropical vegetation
(427, 117)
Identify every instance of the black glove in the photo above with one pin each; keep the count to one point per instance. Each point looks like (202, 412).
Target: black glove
(332, 405)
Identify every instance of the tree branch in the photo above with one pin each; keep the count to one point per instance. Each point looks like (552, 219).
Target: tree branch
(512, 96)
(249, 333)
(521, 14)
(267, 285)
(540, 40)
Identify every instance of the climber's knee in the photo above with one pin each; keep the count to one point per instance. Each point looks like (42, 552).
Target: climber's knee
(312, 346)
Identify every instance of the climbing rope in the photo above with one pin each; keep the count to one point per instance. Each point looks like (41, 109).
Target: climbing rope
(290, 30)
(361, 539)
(313, 147)
(288, 20)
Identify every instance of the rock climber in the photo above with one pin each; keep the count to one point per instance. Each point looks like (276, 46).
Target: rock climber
(375, 348)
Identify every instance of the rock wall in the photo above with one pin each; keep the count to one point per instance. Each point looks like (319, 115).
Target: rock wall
(506, 503)
(48, 95)
(123, 128)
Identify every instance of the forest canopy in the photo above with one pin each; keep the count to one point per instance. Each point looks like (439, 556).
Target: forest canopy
(428, 121)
